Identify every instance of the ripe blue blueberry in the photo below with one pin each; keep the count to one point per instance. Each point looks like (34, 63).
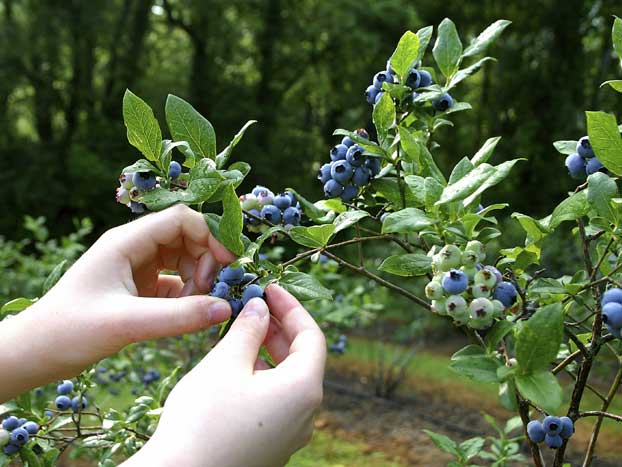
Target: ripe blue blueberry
(361, 176)
(553, 441)
(378, 97)
(265, 199)
(349, 193)
(425, 78)
(62, 403)
(506, 293)
(252, 220)
(333, 189)
(144, 180)
(64, 388)
(250, 292)
(373, 164)
(174, 169)
(248, 277)
(552, 425)
(594, 165)
(341, 171)
(347, 141)
(236, 306)
(496, 273)
(455, 282)
(291, 216)
(612, 314)
(76, 405)
(567, 427)
(10, 423)
(443, 103)
(536, 432)
(22, 421)
(614, 331)
(31, 427)
(271, 213)
(576, 166)
(221, 290)
(584, 148)
(370, 94)
(389, 68)
(355, 156)
(10, 449)
(612, 295)
(282, 201)
(19, 436)
(338, 152)
(291, 196)
(413, 80)
(232, 276)
(382, 77)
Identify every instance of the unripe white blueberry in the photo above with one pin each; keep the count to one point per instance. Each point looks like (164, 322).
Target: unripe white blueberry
(455, 305)
(450, 257)
(469, 271)
(512, 362)
(126, 180)
(478, 247)
(461, 317)
(470, 258)
(123, 196)
(4, 437)
(434, 290)
(482, 311)
(485, 277)
(499, 308)
(481, 290)
(439, 306)
(249, 201)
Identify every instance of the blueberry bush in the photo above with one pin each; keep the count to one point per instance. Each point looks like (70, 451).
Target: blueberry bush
(382, 185)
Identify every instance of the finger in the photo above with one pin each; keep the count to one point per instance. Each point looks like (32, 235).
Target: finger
(307, 352)
(277, 343)
(240, 347)
(205, 272)
(152, 318)
(168, 286)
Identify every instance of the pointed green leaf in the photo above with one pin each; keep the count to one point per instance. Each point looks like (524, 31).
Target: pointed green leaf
(448, 48)
(232, 222)
(304, 287)
(186, 124)
(605, 139)
(565, 146)
(407, 265)
(54, 276)
(406, 221)
(616, 37)
(484, 153)
(348, 219)
(601, 189)
(315, 236)
(411, 148)
(466, 185)
(538, 341)
(499, 174)
(486, 37)
(616, 84)
(541, 388)
(143, 131)
(406, 53)
(464, 73)
(572, 208)
(384, 116)
(424, 35)
(223, 157)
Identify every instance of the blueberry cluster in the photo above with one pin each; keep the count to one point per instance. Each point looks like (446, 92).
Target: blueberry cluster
(131, 185)
(339, 347)
(552, 431)
(237, 287)
(349, 169)
(16, 432)
(471, 293)
(611, 304)
(64, 402)
(282, 208)
(417, 78)
(150, 376)
(584, 161)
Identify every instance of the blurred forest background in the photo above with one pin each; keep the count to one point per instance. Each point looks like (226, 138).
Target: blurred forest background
(298, 66)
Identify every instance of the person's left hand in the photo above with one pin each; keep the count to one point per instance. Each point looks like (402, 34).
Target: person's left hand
(115, 295)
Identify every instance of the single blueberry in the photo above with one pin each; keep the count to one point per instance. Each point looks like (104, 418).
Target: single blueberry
(425, 78)
(355, 156)
(333, 189)
(594, 165)
(10, 449)
(567, 427)
(236, 306)
(291, 216)
(455, 282)
(76, 405)
(535, 430)
(341, 171)
(443, 103)
(612, 295)
(370, 94)
(232, 276)
(347, 141)
(31, 427)
(413, 80)
(361, 176)
(382, 77)
(373, 164)
(221, 290)
(19, 436)
(338, 152)
(250, 292)
(553, 441)
(271, 213)
(62, 403)
(506, 293)
(282, 201)
(612, 314)
(552, 425)
(64, 388)
(10, 423)
(144, 181)
(174, 169)
(576, 166)
(349, 193)
(584, 148)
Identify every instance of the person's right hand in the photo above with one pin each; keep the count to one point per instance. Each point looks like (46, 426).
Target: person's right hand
(232, 410)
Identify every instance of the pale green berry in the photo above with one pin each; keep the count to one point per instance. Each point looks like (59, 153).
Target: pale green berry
(439, 306)
(470, 258)
(478, 247)
(434, 290)
(499, 308)
(4, 437)
(455, 304)
(482, 311)
(450, 257)
(470, 272)
(485, 277)
(249, 201)
(461, 317)
(481, 290)
(512, 362)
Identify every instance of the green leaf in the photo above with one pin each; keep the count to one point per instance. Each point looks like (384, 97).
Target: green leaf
(416, 189)
(411, 148)
(214, 222)
(388, 187)
(407, 265)
(142, 165)
(605, 139)
(534, 229)
(28, 457)
(462, 168)
(565, 146)
(384, 116)
(303, 286)
(406, 221)
(499, 174)
(50, 457)
(53, 277)
(310, 210)
(348, 219)
(315, 236)
(406, 53)
(474, 364)
(507, 395)
(143, 131)
(424, 35)
(486, 37)
(17, 304)
(600, 190)
(466, 185)
(223, 157)
(484, 153)
(464, 73)
(616, 84)
(448, 48)
(497, 333)
(541, 388)
(232, 222)
(165, 386)
(472, 447)
(429, 167)
(572, 208)
(186, 124)
(616, 37)
(167, 149)
(443, 442)
(538, 340)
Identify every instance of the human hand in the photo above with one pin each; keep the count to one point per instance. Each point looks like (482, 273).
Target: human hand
(233, 410)
(115, 295)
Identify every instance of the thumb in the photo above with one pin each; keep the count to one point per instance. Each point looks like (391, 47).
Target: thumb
(240, 346)
(152, 318)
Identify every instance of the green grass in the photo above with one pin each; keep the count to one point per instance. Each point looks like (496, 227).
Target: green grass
(327, 450)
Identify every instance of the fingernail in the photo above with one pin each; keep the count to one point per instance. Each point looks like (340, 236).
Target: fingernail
(218, 311)
(256, 308)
